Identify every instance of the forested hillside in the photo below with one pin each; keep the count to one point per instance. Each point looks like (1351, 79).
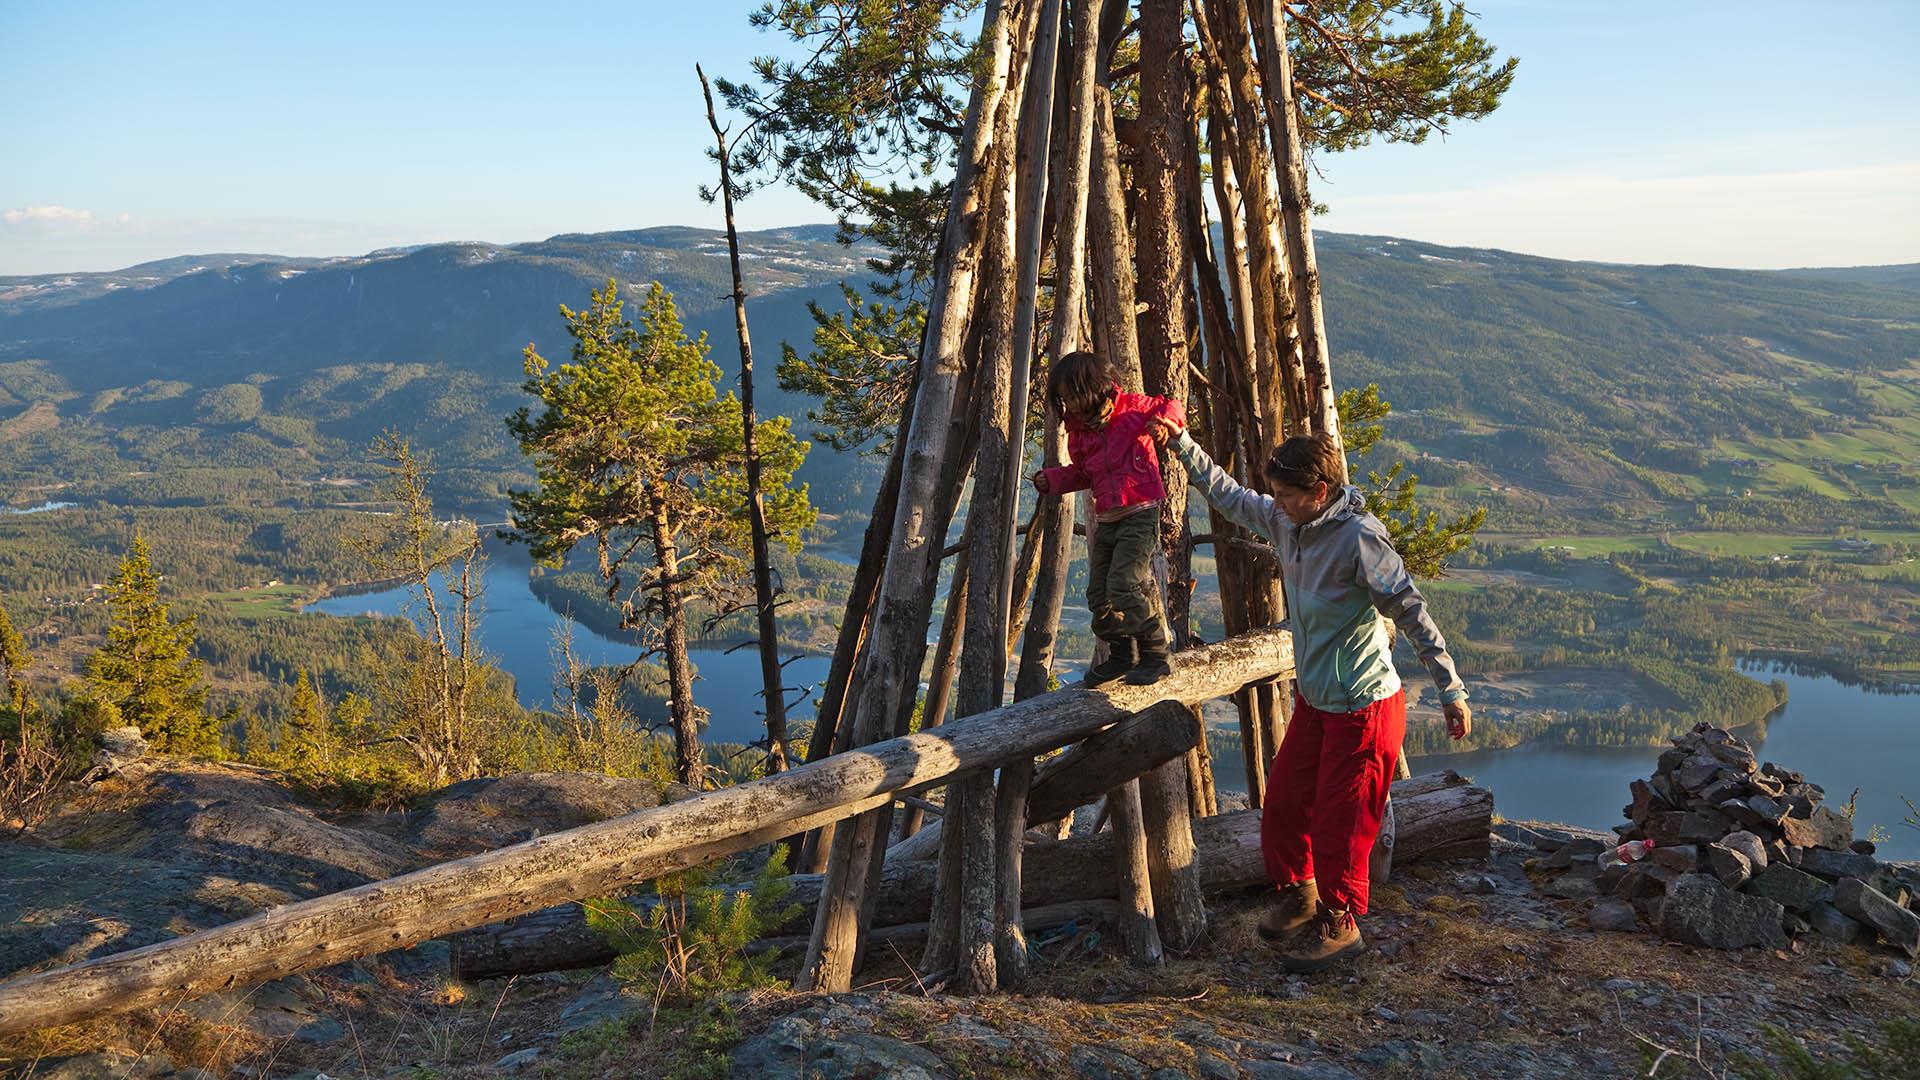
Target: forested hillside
(1585, 387)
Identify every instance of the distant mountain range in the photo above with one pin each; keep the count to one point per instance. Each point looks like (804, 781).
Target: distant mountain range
(1571, 378)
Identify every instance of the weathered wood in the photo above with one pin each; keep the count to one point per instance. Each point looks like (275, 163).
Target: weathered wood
(1009, 844)
(607, 856)
(1441, 816)
(1088, 770)
(1115, 336)
(848, 648)
(946, 664)
(1122, 752)
(1179, 902)
(900, 623)
(1054, 514)
(1133, 885)
(1296, 205)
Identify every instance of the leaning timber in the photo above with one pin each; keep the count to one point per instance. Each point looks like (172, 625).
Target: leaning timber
(607, 856)
(1441, 816)
(1089, 770)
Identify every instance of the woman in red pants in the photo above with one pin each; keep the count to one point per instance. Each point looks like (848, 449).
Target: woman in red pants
(1327, 786)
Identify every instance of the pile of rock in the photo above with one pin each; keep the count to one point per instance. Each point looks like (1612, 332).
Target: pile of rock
(1744, 854)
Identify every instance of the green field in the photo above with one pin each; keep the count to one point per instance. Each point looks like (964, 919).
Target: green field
(261, 601)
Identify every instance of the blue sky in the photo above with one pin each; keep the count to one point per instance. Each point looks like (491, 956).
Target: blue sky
(1734, 134)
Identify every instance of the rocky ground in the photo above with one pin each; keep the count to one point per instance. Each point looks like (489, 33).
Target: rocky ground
(1473, 970)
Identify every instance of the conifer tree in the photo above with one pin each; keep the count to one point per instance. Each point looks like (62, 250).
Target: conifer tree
(637, 452)
(310, 737)
(146, 673)
(14, 660)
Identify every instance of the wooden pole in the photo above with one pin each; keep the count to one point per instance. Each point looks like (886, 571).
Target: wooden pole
(1134, 884)
(899, 620)
(1290, 161)
(848, 647)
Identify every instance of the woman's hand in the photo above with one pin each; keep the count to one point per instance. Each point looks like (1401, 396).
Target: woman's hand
(1459, 719)
(1039, 482)
(1162, 429)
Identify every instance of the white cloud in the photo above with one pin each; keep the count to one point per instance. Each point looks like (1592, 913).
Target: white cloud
(1819, 217)
(58, 217)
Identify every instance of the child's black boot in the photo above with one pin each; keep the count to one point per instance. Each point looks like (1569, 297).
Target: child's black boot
(1120, 660)
(1155, 661)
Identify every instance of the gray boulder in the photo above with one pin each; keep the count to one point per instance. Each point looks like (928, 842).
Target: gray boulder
(1750, 845)
(1615, 915)
(115, 749)
(1730, 867)
(1896, 925)
(1699, 911)
(1834, 925)
(1821, 829)
(1792, 889)
(1834, 865)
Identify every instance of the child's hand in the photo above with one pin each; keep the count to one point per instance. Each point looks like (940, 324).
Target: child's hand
(1039, 482)
(1162, 429)
(1459, 719)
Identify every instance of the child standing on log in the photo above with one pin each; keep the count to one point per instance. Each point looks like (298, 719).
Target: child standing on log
(1112, 441)
(1327, 786)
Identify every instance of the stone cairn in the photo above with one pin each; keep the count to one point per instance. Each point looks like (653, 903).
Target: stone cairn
(1744, 854)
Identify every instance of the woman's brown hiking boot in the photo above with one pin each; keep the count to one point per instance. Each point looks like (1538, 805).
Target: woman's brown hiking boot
(1290, 908)
(1332, 937)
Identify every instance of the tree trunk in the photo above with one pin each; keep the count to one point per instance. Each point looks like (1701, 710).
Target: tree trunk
(848, 649)
(946, 662)
(688, 766)
(1441, 816)
(1133, 886)
(1179, 903)
(1290, 162)
(1277, 345)
(900, 618)
(771, 686)
(1113, 278)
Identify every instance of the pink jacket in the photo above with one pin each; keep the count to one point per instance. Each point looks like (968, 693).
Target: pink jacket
(1118, 459)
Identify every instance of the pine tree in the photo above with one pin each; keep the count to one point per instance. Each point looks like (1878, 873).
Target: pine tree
(637, 451)
(146, 672)
(256, 745)
(14, 660)
(1421, 538)
(310, 738)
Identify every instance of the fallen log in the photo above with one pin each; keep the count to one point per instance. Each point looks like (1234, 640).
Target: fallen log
(1441, 816)
(607, 856)
(1087, 770)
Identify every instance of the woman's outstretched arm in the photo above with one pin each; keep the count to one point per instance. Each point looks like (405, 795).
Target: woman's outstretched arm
(1238, 502)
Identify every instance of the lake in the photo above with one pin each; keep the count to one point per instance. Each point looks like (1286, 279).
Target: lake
(1840, 736)
(516, 632)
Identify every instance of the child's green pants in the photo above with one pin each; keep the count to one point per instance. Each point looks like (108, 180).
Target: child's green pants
(1121, 592)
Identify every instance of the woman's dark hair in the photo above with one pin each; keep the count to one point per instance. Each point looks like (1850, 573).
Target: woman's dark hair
(1305, 460)
(1078, 383)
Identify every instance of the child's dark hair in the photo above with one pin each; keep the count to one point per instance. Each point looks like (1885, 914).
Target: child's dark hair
(1305, 460)
(1078, 383)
